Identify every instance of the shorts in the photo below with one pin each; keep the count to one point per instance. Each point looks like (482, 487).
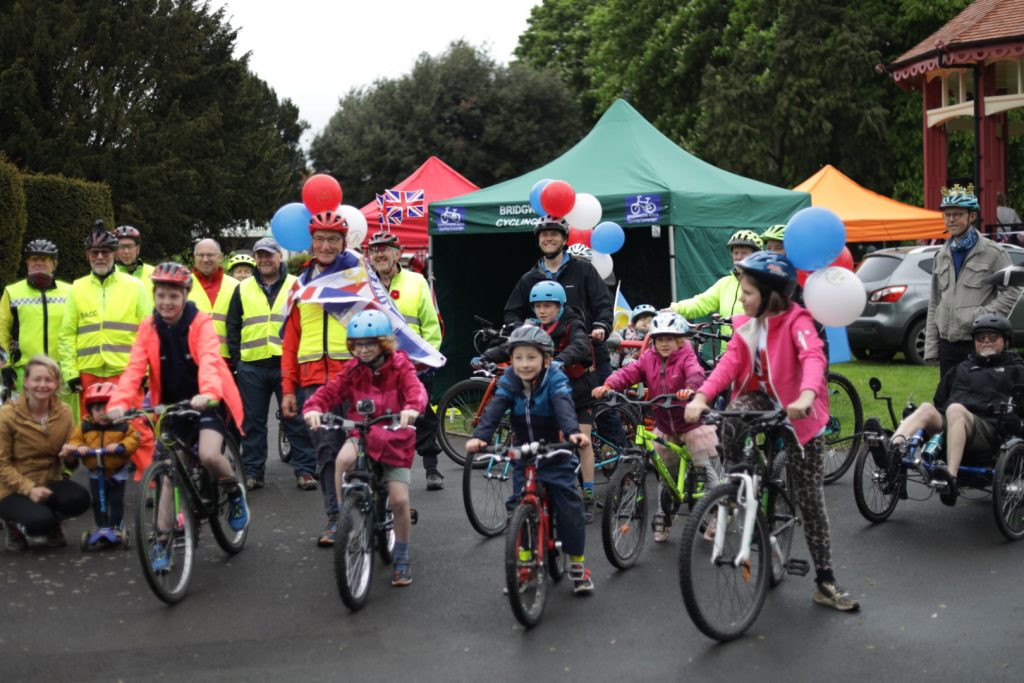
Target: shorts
(582, 399)
(187, 429)
(402, 475)
(983, 445)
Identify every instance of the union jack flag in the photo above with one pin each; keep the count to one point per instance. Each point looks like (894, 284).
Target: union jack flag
(395, 206)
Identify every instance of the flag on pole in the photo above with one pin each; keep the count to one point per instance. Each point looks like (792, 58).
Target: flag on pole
(622, 311)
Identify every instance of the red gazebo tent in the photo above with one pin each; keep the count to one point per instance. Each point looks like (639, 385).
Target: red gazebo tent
(438, 181)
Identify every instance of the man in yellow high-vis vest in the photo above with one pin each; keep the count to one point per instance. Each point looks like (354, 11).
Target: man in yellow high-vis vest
(254, 319)
(214, 287)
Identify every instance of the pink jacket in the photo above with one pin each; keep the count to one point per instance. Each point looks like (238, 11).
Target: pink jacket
(796, 361)
(679, 371)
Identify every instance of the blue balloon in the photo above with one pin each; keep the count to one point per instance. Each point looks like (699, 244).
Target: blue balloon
(290, 226)
(607, 238)
(538, 187)
(814, 238)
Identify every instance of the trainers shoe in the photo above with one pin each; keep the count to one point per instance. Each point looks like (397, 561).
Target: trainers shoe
(15, 538)
(160, 558)
(661, 529)
(581, 581)
(56, 539)
(831, 594)
(306, 482)
(402, 576)
(252, 483)
(588, 505)
(434, 480)
(238, 512)
(949, 496)
(330, 533)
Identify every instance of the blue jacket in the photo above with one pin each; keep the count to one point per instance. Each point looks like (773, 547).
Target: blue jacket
(547, 411)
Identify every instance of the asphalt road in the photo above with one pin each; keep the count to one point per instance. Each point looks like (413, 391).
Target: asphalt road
(940, 589)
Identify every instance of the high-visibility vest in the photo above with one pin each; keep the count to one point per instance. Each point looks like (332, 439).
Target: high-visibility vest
(108, 316)
(33, 317)
(261, 322)
(218, 310)
(322, 335)
(416, 304)
(143, 272)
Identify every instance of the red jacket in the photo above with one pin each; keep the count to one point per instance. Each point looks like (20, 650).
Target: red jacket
(681, 370)
(214, 377)
(392, 387)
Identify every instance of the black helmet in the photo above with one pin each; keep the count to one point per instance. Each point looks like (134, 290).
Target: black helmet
(529, 335)
(41, 247)
(101, 238)
(550, 223)
(993, 323)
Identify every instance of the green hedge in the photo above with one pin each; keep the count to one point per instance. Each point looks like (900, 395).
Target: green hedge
(64, 210)
(12, 220)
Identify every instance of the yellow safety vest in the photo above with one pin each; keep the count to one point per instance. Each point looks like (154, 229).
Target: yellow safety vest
(218, 310)
(143, 272)
(261, 322)
(106, 317)
(416, 304)
(30, 320)
(322, 335)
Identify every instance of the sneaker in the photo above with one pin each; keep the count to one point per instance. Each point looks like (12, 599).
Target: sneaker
(661, 529)
(330, 533)
(306, 482)
(952, 492)
(581, 581)
(56, 539)
(160, 558)
(402, 576)
(434, 480)
(831, 594)
(15, 538)
(588, 505)
(252, 483)
(238, 512)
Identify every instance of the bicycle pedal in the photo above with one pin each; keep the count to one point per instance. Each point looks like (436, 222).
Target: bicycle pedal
(414, 515)
(798, 567)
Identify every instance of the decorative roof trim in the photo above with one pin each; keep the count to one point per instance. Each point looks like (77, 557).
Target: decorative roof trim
(951, 58)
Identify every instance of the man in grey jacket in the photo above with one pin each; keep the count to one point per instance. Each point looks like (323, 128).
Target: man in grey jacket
(959, 294)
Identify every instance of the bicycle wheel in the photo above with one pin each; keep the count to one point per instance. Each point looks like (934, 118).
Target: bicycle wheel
(1008, 492)
(607, 450)
(457, 417)
(284, 447)
(484, 494)
(353, 553)
(782, 519)
(229, 540)
(525, 576)
(723, 599)
(385, 529)
(624, 517)
(844, 427)
(160, 489)
(876, 489)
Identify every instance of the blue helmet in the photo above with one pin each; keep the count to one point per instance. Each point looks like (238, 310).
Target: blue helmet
(367, 324)
(642, 309)
(771, 268)
(959, 197)
(548, 290)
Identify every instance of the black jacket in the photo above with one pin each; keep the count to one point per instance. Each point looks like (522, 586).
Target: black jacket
(572, 344)
(981, 383)
(583, 289)
(234, 318)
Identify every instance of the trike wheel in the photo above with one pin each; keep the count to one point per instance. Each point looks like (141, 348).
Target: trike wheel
(876, 489)
(170, 547)
(624, 517)
(353, 552)
(525, 577)
(1008, 492)
(228, 539)
(844, 427)
(457, 413)
(486, 488)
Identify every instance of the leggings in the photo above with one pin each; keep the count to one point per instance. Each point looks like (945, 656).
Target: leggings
(114, 490)
(38, 519)
(806, 470)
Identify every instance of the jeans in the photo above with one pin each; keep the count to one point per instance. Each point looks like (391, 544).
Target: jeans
(951, 354)
(426, 430)
(327, 444)
(608, 424)
(257, 383)
(68, 500)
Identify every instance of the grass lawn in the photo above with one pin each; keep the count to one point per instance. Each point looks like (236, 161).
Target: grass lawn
(899, 380)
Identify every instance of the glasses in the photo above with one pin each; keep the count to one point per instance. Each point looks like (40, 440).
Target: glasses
(953, 215)
(333, 240)
(987, 336)
(126, 247)
(365, 345)
(379, 249)
(99, 253)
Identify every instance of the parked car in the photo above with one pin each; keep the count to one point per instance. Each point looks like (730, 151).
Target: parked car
(898, 283)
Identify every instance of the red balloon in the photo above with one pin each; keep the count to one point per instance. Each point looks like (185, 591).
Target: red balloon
(802, 275)
(558, 198)
(579, 236)
(844, 260)
(321, 193)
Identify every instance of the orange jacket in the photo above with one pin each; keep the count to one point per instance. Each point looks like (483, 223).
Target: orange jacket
(215, 378)
(95, 436)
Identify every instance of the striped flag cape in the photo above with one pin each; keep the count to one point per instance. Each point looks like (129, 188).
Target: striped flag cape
(351, 287)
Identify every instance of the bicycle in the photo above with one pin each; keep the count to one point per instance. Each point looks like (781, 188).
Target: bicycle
(179, 487)
(752, 519)
(365, 522)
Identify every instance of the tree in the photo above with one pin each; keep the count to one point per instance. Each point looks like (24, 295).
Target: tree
(147, 97)
(487, 121)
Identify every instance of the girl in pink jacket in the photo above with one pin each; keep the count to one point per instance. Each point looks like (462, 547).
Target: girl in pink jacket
(668, 366)
(776, 359)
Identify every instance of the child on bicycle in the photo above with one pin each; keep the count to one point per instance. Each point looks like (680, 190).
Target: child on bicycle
(774, 360)
(639, 326)
(670, 366)
(118, 442)
(380, 372)
(539, 398)
(178, 350)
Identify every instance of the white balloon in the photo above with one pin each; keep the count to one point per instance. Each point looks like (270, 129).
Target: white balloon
(834, 296)
(586, 212)
(603, 263)
(357, 225)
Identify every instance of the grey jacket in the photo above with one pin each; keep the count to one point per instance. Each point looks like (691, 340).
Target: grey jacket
(956, 302)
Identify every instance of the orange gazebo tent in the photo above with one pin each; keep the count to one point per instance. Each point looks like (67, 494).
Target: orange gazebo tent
(869, 216)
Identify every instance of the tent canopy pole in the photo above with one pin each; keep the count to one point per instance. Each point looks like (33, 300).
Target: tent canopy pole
(672, 259)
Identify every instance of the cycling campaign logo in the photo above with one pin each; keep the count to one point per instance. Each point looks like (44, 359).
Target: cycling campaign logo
(643, 208)
(451, 219)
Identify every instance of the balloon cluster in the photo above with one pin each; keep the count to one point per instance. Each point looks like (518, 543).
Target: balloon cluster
(290, 224)
(582, 212)
(815, 242)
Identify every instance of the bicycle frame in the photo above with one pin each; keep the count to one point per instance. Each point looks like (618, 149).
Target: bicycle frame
(534, 494)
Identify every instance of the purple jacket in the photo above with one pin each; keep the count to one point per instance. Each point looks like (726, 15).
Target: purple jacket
(679, 371)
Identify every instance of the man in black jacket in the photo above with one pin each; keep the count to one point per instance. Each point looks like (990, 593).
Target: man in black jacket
(966, 401)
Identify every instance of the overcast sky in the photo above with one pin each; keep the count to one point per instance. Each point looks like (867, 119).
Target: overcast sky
(313, 51)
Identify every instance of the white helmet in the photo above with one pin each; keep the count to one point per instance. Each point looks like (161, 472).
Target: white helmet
(669, 324)
(580, 251)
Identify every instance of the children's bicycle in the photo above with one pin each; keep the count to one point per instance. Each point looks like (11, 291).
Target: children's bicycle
(751, 520)
(178, 491)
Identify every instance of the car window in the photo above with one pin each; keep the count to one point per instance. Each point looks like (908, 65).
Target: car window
(1016, 257)
(926, 265)
(875, 268)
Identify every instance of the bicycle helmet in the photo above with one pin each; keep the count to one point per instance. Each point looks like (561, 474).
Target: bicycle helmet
(776, 233)
(669, 324)
(101, 238)
(99, 393)
(550, 223)
(241, 259)
(528, 335)
(993, 323)
(368, 325)
(383, 238)
(328, 220)
(642, 309)
(548, 290)
(745, 238)
(128, 232)
(959, 197)
(173, 274)
(580, 251)
(41, 247)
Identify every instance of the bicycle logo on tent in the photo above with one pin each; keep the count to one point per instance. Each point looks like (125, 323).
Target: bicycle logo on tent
(451, 219)
(643, 208)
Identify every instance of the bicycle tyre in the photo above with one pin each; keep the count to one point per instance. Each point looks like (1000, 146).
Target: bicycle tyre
(229, 540)
(525, 575)
(606, 451)
(624, 517)
(353, 552)
(780, 512)
(457, 414)
(385, 531)
(702, 582)
(842, 439)
(284, 446)
(171, 585)
(484, 495)
(876, 496)
(1008, 492)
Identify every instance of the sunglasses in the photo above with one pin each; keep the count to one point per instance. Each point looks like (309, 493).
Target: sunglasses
(987, 336)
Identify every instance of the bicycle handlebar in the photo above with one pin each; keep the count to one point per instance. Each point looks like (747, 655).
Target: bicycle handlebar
(538, 449)
(660, 401)
(333, 421)
(760, 418)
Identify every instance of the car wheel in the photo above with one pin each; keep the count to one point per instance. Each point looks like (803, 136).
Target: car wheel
(873, 355)
(913, 345)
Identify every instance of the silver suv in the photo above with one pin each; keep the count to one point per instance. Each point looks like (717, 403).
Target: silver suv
(898, 282)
